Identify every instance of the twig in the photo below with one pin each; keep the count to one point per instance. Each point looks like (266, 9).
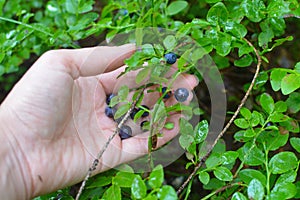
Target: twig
(222, 189)
(229, 123)
(96, 161)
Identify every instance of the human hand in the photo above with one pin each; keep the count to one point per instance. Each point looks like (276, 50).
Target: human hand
(53, 121)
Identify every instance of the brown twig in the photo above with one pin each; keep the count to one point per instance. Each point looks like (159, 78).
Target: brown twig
(96, 161)
(229, 123)
(222, 189)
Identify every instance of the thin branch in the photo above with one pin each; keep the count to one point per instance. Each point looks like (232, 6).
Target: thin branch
(229, 123)
(96, 161)
(222, 189)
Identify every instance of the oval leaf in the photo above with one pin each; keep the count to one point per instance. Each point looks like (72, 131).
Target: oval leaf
(255, 190)
(223, 174)
(138, 188)
(176, 6)
(290, 83)
(283, 162)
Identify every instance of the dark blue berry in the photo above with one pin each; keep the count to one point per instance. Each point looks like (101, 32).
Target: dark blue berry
(125, 132)
(181, 94)
(171, 58)
(168, 94)
(146, 113)
(110, 112)
(133, 113)
(143, 124)
(136, 110)
(109, 97)
(123, 11)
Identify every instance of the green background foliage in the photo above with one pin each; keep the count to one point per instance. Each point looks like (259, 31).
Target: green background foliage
(257, 159)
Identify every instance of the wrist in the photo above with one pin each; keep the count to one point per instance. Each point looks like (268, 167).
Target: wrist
(15, 182)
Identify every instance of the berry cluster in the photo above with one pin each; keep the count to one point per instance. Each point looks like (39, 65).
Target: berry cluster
(181, 95)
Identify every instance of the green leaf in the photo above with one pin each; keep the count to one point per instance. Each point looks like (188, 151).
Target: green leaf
(201, 131)
(245, 61)
(159, 113)
(278, 117)
(148, 49)
(278, 163)
(185, 127)
(254, 9)
(238, 30)
(204, 177)
(156, 177)
(265, 37)
(134, 60)
(176, 7)
(290, 83)
(185, 141)
(293, 102)
(255, 190)
(170, 42)
(241, 123)
(267, 103)
(230, 157)
(123, 179)
(238, 196)
(223, 44)
(283, 190)
(113, 192)
(167, 193)
(290, 125)
(246, 113)
(276, 77)
(223, 174)
(123, 92)
(279, 140)
(245, 49)
(142, 75)
(277, 25)
(278, 8)
(295, 142)
(247, 175)
(138, 188)
(217, 14)
(289, 176)
(257, 118)
(261, 79)
(251, 156)
(100, 181)
(122, 110)
(71, 6)
(169, 125)
(214, 160)
(280, 106)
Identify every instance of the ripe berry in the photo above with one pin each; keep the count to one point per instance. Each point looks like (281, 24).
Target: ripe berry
(170, 58)
(125, 132)
(133, 113)
(136, 110)
(123, 11)
(168, 94)
(181, 94)
(144, 125)
(109, 97)
(110, 112)
(146, 113)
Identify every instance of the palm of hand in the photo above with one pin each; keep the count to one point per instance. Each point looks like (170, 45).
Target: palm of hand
(58, 119)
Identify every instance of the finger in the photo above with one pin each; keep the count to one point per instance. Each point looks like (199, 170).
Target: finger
(87, 61)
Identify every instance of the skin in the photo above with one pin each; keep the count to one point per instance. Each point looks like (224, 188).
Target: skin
(53, 122)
